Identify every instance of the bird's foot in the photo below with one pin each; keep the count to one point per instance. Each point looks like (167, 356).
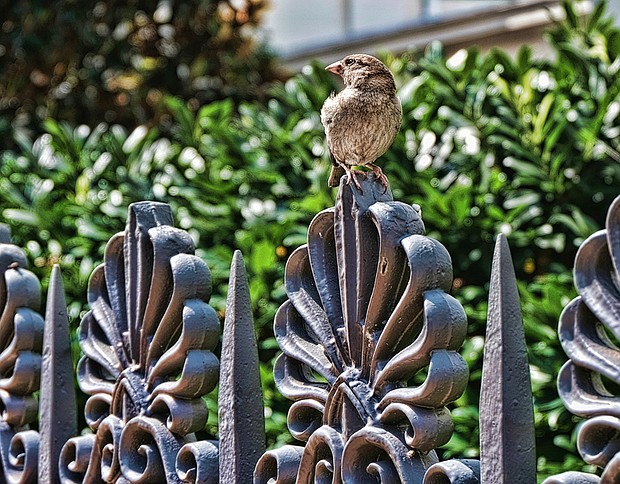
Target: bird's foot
(381, 176)
(353, 178)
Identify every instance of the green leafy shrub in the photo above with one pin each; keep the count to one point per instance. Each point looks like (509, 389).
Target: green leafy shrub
(489, 144)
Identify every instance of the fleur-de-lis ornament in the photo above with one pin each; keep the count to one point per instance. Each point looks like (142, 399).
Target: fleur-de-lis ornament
(369, 338)
(147, 342)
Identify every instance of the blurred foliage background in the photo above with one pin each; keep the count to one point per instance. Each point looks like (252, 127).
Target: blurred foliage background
(524, 146)
(114, 61)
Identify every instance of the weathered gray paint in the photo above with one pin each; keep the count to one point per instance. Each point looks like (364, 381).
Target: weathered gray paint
(591, 353)
(367, 309)
(21, 337)
(507, 442)
(241, 420)
(57, 403)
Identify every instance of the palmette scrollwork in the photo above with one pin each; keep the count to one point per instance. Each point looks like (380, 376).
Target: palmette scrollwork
(369, 340)
(147, 342)
(586, 329)
(21, 338)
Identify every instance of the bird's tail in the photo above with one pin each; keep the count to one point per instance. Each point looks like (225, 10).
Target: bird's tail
(335, 175)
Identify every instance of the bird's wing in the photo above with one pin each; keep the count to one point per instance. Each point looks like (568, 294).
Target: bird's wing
(330, 111)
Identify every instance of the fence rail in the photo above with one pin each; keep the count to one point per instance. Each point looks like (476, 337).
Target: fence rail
(369, 337)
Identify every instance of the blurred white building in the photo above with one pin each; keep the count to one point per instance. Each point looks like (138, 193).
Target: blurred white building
(329, 29)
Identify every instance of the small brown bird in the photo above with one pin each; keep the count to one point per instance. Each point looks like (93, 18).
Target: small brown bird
(362, 120)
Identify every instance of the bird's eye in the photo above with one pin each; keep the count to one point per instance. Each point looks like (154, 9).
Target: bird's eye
(348, 62)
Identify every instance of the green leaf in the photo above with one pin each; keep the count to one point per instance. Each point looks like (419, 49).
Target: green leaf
(21, 216)
(524, 168)
(541, 118)
(595, 17)
(523, 200)
(262, 257)
(571, 16)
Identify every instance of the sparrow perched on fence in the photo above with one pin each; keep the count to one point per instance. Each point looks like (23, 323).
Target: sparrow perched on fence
(362, 120)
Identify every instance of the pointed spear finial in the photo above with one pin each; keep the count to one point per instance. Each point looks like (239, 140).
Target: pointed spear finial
(507, 444)
(58, 407)
(240, 402)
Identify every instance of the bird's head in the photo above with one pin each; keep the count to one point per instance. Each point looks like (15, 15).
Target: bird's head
(363, 70)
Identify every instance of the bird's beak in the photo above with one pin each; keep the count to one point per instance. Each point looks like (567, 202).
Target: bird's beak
(336, 68)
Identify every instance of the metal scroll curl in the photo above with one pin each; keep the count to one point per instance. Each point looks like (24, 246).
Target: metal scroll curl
(457, 471)
(147, 342)
(587, 328)
(369, 340)
(21, 339)
(199, 462)
(76, 455)
(279, 465)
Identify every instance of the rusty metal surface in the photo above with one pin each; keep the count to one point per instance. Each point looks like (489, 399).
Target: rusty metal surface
(147, 344)
(369, 338)
(507, 441)
(240, 405)
(593, 357)
(58, 405)
(21, 336)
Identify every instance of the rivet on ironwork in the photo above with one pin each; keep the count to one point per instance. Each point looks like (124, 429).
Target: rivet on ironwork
(367, 314)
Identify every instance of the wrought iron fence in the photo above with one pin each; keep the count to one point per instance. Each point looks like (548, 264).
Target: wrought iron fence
(369, 337)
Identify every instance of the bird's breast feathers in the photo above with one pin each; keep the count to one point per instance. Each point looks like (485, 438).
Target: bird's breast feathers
(357, 103)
